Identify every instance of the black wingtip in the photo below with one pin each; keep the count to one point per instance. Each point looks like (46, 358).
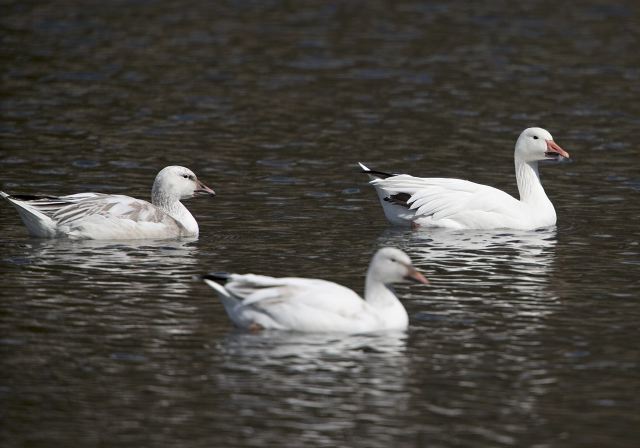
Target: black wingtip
(218, 277)
(378, 174)
(401, 199)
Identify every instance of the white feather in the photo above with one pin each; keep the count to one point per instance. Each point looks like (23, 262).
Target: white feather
(104, 216)
(313, 305)
(461, 204)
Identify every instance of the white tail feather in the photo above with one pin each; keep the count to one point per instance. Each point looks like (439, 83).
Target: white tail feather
(228, 301)
(218, 288)
(364, 168)
(37, 223)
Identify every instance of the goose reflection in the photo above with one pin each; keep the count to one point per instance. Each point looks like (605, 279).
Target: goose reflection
(303, 348)
(522, 260)
(137, 265)
(493, 303)
(298, 374)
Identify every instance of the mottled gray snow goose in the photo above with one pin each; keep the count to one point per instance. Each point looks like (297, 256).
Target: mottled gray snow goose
(101, 216)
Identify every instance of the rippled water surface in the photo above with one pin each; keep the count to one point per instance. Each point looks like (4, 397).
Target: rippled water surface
(522, 339)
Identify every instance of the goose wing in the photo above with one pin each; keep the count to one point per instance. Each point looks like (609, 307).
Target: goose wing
(95, 216)
(296, 303)
(76, 207)
(81, 206)
(443, 198)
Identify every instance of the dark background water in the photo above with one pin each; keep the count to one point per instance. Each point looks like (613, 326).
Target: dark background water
(523, 339)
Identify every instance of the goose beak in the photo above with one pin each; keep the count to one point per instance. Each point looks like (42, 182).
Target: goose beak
(416, 276)
(203, 190)
(553, 150)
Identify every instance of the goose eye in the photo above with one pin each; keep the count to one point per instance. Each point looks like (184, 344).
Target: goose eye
(535, 137)
(186, 176)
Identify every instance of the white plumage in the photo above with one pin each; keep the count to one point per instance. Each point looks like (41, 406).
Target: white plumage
(460, 204)
(258, 302)
(105, 216)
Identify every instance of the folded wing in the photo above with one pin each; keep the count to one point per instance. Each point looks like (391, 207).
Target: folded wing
(293, 303)
(81, 206)
(441, 199)
(94, 215)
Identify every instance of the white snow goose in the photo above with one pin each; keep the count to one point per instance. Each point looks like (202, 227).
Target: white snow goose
(257, 302)
(108, 216)
(460, 204)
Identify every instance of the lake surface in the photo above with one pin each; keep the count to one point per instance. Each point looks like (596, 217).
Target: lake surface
(523, 339)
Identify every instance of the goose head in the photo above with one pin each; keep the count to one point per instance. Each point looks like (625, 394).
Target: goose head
(390, 265)
(179, 182)
(535, 144)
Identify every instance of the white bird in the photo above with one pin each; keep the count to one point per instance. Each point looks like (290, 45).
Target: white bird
(109, 216)
(257, 302)
(460, 204)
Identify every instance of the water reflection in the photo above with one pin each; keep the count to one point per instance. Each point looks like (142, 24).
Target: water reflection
(518, 260)
(309, 351)
(336, 381)
(134, 265)
(488, 290)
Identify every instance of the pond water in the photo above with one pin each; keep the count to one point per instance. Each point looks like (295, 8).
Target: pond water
(522, 338)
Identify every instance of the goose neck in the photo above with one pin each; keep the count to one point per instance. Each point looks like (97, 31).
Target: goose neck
(172, 206)
(529, 185)
(377, 293)
(164, 201)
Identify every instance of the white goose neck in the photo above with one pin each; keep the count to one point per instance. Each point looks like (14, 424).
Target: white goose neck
(529, 185)
(378, 294)
(171, 205)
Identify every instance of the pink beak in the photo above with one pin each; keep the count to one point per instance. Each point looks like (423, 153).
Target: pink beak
(555, 148)
(202, 189)
(416, 276)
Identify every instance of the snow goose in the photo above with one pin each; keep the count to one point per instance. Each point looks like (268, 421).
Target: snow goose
(107, 216)
(257, 302)
(460, 204)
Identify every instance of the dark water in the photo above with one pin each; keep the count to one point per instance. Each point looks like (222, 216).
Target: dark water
(523, 339)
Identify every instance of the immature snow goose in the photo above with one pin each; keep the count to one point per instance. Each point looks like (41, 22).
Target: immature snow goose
(460, 204)
(105, 216)
(257, 302)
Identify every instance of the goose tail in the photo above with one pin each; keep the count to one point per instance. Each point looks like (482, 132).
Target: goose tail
(38, 224)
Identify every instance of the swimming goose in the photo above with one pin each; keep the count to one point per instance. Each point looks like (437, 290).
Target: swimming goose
(257, 302)
(460, 204)
(106, 216)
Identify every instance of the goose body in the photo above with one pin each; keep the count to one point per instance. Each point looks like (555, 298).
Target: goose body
(105, 216)
(257, 302)
(461, 204)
